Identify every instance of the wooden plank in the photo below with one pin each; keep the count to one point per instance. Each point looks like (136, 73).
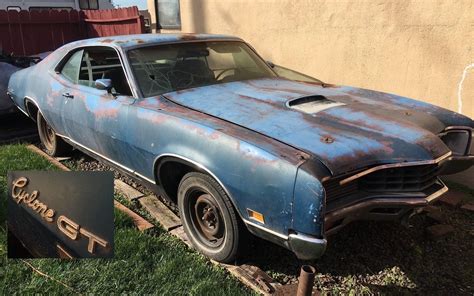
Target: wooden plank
(244, 273)
(138, 220)
(179, 233)
(126, 190)
(245, 278)
(48, 157)
(160, 212)
(62, 158)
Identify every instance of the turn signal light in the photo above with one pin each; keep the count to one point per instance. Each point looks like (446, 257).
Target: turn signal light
(256, 216)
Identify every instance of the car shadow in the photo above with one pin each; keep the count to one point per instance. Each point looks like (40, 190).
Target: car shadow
(385, 257)
(16, 127)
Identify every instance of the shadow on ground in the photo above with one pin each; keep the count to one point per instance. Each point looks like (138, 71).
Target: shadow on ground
(377, 257)
(17, 127)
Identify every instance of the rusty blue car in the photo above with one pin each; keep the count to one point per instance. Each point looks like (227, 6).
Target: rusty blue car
(239, 144)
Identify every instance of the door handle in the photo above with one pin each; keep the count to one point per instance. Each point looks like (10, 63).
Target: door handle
(68, 95)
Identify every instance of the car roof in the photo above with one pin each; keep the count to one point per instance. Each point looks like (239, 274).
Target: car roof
(128, 41)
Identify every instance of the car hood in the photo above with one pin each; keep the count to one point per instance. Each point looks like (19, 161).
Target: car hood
(346, 128)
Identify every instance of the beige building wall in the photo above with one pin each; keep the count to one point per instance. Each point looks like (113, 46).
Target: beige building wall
(419, 49)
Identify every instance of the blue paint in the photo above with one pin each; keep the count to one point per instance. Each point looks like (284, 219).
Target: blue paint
(269, 157)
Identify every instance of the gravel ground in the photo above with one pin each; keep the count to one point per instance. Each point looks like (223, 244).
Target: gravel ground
(369, 257)
(82, 162)
(386, 258)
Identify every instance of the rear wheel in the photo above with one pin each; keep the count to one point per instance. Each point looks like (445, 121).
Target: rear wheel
(208, 217)
(53, 144)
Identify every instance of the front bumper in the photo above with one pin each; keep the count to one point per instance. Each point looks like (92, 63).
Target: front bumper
(384, 207)
(306, 247)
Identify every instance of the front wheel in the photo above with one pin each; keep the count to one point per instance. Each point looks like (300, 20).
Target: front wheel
(54, 145)
(209, 218)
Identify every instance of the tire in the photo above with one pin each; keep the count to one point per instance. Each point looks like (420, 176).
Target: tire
(53, 144)
(215, 232)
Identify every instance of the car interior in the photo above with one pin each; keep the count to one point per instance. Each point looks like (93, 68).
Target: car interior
(103, 63)
(161, 69)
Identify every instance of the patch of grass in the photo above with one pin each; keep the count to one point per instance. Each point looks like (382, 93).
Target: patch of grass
(144, 263)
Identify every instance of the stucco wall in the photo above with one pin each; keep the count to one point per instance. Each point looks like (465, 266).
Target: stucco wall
(418, 49)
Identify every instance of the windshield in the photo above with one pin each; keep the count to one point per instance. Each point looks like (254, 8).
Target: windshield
(165, 68)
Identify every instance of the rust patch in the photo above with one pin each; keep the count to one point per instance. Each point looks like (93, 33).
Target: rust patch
(108, 40)
(286, 152)
(329, 85)
(106, 113)
(327, 139)
(188, 37)
(322, 84)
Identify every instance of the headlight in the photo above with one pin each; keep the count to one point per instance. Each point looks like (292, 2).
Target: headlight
(457, 141)
(471, 152)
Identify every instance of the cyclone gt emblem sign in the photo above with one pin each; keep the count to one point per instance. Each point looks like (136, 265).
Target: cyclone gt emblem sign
(65, 225)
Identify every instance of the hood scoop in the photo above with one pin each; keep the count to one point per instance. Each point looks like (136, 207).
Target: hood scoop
(312, 104)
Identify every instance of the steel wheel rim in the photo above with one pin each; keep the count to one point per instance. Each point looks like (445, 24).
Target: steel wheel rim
(206, 218)
(48, 135)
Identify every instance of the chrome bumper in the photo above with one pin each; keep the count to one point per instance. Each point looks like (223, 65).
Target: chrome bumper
(306, 247)
(381, 208)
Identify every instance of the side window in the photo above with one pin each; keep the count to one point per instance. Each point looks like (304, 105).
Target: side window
(103, 63)
(71, 68)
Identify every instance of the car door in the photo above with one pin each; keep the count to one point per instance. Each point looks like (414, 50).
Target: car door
(95, 118)
(60, 87)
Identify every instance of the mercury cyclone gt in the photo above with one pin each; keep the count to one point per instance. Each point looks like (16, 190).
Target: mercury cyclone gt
(237, 143)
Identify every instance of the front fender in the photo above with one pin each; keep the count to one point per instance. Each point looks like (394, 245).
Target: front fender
(309, 199)
(256, 178)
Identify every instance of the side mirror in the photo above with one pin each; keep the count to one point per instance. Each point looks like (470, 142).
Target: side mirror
(271, 64)
(104, 84)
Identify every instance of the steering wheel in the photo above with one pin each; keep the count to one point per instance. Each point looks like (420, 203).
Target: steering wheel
(179, 80)
(224, 71)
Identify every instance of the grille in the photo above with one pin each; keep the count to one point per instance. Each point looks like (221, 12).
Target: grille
(336, 191)
(401, 179)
